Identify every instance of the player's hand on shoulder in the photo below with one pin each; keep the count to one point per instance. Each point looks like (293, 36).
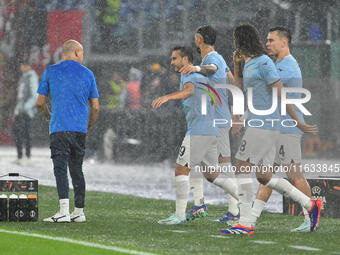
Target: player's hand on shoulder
(187, 69)
(159, 101)
(308, 129)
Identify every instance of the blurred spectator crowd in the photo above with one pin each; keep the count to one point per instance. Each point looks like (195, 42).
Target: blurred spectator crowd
(136, 89)
(139, 35)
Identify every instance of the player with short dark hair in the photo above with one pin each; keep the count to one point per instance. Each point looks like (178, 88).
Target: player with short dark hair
(200, 142)
(282, 32)
(185, 52)
(208, 34)
(288, 150)
(214, 67)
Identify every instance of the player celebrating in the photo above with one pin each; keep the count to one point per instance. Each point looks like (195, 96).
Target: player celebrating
(261, 76)
(288, 151)
(200, 142)
(215, 68)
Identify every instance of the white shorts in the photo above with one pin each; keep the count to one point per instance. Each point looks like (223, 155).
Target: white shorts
(288, 149)
(196, 149)
(257, 144)
(223, 142)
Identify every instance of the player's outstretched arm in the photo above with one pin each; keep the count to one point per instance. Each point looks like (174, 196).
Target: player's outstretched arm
(205, 70)
(186, 92)
(308, 129)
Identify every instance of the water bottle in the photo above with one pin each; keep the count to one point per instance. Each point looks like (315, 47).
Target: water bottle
(32, 208)
(13, 208)
(3, 207)
(23, 208)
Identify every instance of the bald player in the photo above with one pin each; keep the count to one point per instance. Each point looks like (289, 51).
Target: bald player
(70, 85)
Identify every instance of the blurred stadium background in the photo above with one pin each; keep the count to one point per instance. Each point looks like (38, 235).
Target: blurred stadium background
(127, 45)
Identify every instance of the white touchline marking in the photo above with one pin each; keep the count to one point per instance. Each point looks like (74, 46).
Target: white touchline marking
(178, 231)
(217, 236)
(84, 243)
(264, 242)
(306, 248)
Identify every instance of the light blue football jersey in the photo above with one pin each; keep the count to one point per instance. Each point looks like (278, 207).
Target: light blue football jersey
(220, 77)
(260, 73)
(197, 123)
(291, 77)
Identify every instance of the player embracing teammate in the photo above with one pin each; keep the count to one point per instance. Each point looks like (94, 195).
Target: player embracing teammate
(259, 144)
(260, 74)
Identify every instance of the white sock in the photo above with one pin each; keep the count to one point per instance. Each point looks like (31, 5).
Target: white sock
(196, 185)
(64, 206)
(256, 210)
(78, 210)
(229, 185)
(305, 212)
(182, 193)
(245, 194)
(284, 187)
(232, 205)
(230, 177)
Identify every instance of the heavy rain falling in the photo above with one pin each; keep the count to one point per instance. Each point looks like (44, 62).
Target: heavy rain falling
(128, 45)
